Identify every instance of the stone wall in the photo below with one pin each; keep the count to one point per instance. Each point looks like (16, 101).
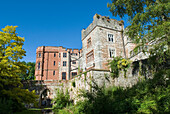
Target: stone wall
(85, 79)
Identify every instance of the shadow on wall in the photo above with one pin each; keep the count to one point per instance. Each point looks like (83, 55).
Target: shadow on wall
(41, 90)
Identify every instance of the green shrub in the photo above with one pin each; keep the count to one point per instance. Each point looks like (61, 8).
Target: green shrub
(61, 100)
(147, 96)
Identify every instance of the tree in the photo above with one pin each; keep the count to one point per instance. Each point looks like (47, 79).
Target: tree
(29, 74)
(149, 28)
(11, 52)
(150, 24)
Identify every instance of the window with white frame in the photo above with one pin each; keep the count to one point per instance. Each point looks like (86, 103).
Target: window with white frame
(64, 54)
(64, 63)
(112, 52)
(110, 38)
(74, 74)
(63, 75)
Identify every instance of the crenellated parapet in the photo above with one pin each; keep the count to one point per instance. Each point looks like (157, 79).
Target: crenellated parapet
(103, 21)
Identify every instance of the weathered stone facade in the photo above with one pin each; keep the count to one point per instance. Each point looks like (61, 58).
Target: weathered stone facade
(101, 40)
(106, 36)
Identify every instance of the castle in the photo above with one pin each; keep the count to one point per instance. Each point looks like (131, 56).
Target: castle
(101, 40)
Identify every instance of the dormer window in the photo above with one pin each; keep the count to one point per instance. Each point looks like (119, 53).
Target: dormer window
(110, 38)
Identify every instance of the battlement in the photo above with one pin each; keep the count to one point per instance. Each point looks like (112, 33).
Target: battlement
(102, 21)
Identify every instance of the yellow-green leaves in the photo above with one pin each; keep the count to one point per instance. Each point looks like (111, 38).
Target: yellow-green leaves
(11, 51)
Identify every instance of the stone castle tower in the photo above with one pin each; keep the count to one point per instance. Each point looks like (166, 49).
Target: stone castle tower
(101, 40)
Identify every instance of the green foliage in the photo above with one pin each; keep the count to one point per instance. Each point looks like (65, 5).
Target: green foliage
(61, 100)
(113, 65)
(149, 96)
(149, 25)
(118, 64)
(5, 106)
(29, 74)
(11, 52)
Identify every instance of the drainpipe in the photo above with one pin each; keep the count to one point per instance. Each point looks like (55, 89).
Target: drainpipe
(69, 65)
(47, 67)
(42, 68)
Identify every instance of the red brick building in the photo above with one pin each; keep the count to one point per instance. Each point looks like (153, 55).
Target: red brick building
(56, 63)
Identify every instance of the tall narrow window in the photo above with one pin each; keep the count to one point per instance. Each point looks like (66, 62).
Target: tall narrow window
(89, 56)
(59, 55)
(110, 37)
(54, 63)
(39, 54)
(54, 73)
(74, 62)
(74, 74)
(63, 75)
(112, 53)
(38, 65)
(54, 54)
(64, 54)
(89, 42)
(64, 63)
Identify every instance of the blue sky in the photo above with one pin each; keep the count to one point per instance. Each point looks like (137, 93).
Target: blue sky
(50, 22)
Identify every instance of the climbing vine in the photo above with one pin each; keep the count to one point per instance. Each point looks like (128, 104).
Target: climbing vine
(118, 64)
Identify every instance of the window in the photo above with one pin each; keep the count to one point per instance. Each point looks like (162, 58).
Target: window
(74, 74)
(38, 65)
(110, 37)
(112, 52)
(64, 54)
(54, 54)
(59, 55)
(74, 62)
(39, 54)
(63, 75)
(74, 54)
(89, 42)
(54, 63)
(89, 56)
(54, 73)
(64, 63)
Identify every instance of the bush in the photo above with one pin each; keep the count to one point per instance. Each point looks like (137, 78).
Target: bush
(61, 100)
(148, 96)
